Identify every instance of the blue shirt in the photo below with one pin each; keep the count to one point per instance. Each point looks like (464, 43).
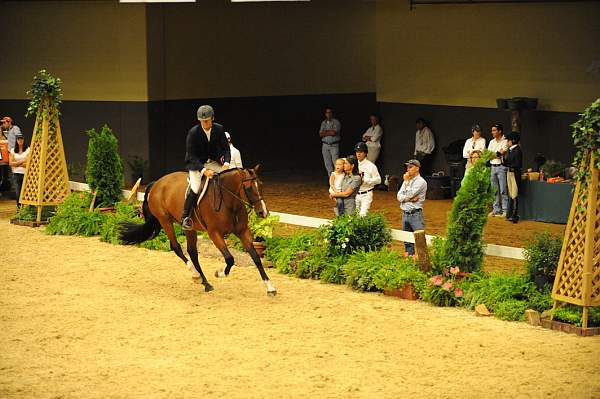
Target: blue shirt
(415, 186)
(332, 124)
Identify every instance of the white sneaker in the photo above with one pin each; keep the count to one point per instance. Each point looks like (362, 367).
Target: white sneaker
(492, 214)
(500, 215)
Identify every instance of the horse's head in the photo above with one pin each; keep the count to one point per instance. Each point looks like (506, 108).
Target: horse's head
(253, 189)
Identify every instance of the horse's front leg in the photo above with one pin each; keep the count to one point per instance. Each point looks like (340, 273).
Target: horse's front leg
(217, 239)
(246, 238)
(192, 241)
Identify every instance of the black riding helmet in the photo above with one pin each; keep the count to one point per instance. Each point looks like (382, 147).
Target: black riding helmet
(361, 147)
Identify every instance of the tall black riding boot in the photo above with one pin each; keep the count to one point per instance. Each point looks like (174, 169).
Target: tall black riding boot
(190, 201)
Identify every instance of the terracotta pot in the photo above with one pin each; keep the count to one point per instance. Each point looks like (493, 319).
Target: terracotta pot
(260, 247)
(406, 292)
(570, 328)
(462, 275)
(110, 209)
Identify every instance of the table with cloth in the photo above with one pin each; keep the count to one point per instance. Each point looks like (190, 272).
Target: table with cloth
(545, 202)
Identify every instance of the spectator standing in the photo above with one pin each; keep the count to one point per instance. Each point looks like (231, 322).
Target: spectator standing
(335, 185)
(372, 137)
(499, 146)
(10, 131)
(475, 143)
(350, 185)
(424, 145)
(513, 161)
(412, 197)
(236, 156)
(330, 140)
(18, 161)
(370, 178)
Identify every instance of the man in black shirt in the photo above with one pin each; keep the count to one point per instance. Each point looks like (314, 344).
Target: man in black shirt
(513, 160)
(207, 152)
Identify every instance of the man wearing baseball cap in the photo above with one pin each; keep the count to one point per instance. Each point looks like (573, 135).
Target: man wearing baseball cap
(411, 197)
(370, 178)
(10, 131)
(206, 148)
(236, 156)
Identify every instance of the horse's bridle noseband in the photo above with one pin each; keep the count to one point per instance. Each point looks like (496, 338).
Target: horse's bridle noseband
(247, 190)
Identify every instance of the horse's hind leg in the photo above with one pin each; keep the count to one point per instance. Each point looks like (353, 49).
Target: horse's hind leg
(170, 231)
(246, 238)
(192, 241)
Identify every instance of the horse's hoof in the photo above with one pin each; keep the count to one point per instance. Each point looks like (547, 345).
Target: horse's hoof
(271, 293)
(208, 288)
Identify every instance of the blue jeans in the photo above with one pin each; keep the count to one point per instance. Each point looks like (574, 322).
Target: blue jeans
(412, 222)
(330, 154)
(498, 178)
(339, 203)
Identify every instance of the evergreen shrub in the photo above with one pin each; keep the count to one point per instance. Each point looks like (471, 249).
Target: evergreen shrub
(104, 170)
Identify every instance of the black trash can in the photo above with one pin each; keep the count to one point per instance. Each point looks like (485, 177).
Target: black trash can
(455, 185)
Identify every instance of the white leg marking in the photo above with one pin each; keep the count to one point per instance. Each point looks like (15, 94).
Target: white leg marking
(270, 287)
(190, 266)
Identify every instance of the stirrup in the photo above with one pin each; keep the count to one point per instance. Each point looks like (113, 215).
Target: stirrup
(186, 223)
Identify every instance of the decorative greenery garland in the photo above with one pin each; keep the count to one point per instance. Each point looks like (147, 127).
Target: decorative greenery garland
(45, 98)
(586, 137)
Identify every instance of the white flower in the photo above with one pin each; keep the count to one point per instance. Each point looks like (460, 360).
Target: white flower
(347, 239)
(344, 245)
(325, 240)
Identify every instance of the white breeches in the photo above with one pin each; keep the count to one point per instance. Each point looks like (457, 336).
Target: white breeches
(196, 175)
(363, 202)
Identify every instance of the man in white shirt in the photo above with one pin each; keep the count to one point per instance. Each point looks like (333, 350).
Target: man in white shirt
(412, 197)
(424, 145)
(499, 146)
(236, 156)
(370, 178)
(372, 137)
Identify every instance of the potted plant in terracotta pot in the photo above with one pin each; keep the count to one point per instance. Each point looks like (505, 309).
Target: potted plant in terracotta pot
(261, 229)
(542, 254)
(402, 279)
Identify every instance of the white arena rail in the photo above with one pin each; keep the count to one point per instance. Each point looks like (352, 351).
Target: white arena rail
(308, 221)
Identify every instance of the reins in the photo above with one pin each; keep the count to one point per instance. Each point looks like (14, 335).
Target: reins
(218, 184)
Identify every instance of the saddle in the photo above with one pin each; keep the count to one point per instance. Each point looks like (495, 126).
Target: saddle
(203, 184)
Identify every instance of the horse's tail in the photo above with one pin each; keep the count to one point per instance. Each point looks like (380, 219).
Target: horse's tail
(135, 233)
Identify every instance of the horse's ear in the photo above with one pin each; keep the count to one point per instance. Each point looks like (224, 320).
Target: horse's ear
(256, 168)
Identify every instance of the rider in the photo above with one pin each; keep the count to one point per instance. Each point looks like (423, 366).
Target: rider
(207, 151)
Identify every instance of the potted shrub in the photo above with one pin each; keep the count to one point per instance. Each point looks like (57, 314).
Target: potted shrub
(542, 253)
(261, 229)
(138, 166)
(402, 279)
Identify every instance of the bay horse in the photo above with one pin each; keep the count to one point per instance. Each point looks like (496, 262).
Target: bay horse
(221, 211)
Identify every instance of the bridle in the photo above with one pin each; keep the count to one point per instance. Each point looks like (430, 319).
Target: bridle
(247, 190)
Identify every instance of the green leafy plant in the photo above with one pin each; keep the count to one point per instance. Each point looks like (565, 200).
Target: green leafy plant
(73, 217)
(505, 294)
(511, 310)
(542, 253)
(443, 289)
(29, 213)
(463, 246)
(261, 228)
(104, 170)
(552, 168)
(362, 267)
(350, 233)
(333, 272)
(586, 137)
(282, 250)
(396, 274)
(574, 314)
(47, 88)
(312, 265)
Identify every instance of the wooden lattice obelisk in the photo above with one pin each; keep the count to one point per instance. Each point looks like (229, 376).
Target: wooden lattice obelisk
(578, 274)
(46, 178)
